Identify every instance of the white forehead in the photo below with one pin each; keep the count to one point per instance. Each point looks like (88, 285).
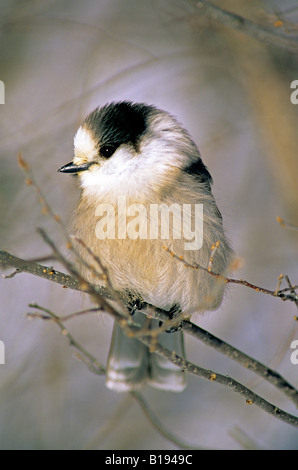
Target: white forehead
(84, 144)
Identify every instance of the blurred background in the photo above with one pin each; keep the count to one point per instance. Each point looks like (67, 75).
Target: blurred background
(58, 61)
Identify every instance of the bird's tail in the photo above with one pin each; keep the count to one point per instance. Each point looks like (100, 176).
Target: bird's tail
(131, 365)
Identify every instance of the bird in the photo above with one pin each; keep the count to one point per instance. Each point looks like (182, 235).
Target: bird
(145, 192)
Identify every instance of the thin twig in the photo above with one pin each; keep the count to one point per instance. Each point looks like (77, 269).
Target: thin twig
(214, 249)
(105, 276)
(244, 440)
(285, 224)
(291, 287)
(264, 33)
(280, 279)
(87, 358)
(85, 286)
(242, 282)
(66, 317)
(46, 209)
(160, 427)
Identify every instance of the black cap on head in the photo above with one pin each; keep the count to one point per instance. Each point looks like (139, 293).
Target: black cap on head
(118, 123)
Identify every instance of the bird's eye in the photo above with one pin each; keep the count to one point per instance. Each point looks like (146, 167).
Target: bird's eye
(107, 150)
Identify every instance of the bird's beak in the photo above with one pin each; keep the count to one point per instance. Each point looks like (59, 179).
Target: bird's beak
(72, 168)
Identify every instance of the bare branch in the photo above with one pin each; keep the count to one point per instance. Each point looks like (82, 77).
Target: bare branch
(221, 346)
(251, 397)
(96, 368)
(187, 366)
(159, 426)
(246, 361)
(30, 267)
(85, 356)
(45, 206)
(270, 33)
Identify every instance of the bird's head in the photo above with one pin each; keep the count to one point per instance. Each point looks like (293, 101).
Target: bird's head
(131, 146)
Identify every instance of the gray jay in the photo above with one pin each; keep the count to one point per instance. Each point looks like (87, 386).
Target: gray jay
(144, 188)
